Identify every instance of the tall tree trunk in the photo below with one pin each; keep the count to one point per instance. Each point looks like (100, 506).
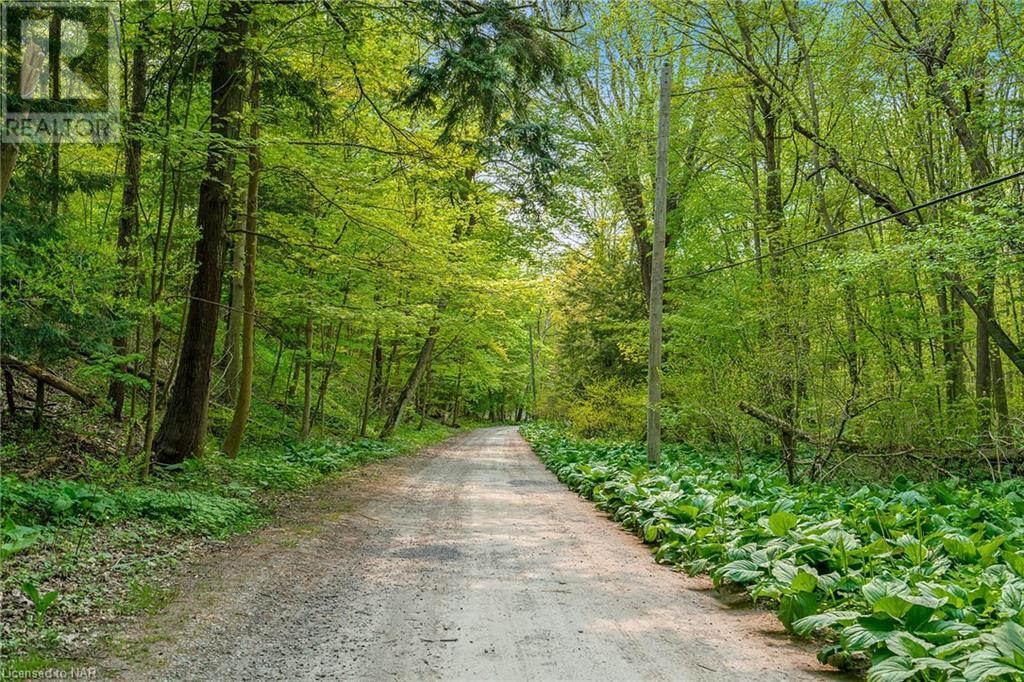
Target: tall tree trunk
(994, 330)
(307, 396)
(533, 371)
(425, 400)
(755, 183)
(232, 357)
(385, 383)
(999, 398)
(786, 384)
(656, 299)
(128, 225)
(321, 393)
(374, 359)
(233, 441)
(277, 366)
(950, 344)
(179, 432)
(982, 358)
(8, 160)
(378, 369)
(422, 360)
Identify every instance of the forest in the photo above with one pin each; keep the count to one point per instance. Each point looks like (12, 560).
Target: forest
(329, 233)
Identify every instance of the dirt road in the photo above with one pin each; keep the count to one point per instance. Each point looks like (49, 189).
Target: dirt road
(466, 562)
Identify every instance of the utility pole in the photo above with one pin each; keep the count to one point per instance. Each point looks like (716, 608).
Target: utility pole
(658, 271)
(533, 375)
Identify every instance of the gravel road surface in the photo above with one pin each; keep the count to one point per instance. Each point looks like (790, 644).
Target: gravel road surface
(468, 561)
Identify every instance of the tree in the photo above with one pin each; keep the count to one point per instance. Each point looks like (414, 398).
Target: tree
(233, 441)
(179, 434)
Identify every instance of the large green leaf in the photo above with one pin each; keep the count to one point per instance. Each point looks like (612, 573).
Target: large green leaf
(960, 547)
(913, 549)
(877, 588)
(1015, 562)
(1008, 638)
(893, 669)
(804, 581)
(793, 607)
(892, 605)
(866, 632)
(808, 625)
(781, 522)
(1001, 657)
(1011, 600)
(906, 644)
(740, 571)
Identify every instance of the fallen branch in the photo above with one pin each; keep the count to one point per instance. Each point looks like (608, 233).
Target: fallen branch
(1008, 455)
(792, 431)
(50, 379)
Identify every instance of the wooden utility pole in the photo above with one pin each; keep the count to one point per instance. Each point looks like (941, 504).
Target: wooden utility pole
(658, 271)
(533, 375)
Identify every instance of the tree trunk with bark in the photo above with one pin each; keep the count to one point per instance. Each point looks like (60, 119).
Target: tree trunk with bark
(180, 431)
(374, 359)
(233, 441)
(128, 225)
(307, 395)
(231, 359)
(422, 360)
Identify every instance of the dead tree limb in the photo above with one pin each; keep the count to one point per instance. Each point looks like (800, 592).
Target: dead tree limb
(50, 379)
(782, 425)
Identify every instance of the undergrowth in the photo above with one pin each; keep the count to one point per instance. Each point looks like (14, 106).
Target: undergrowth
(910, 581)
(103, 542)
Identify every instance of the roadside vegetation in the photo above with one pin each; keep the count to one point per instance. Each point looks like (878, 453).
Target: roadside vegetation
(909, 580)
(83, 552)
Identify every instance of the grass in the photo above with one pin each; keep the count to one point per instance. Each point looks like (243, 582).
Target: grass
(145, 596)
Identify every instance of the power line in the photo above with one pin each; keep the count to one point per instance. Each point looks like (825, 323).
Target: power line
(824, 237)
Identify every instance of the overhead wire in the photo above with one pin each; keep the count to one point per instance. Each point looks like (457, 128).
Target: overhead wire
(848, 230)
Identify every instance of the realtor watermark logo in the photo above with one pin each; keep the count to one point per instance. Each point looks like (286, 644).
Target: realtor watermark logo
(60, 71)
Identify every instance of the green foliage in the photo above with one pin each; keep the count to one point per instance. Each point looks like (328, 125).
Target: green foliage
(16, 538)
(60, 502)
(41, 602)
(145, 597)
(919, 580)
(609, 408)
(212, 496)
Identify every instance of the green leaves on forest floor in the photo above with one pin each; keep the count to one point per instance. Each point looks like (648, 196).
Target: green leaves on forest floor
(913, 581)
(77, 553)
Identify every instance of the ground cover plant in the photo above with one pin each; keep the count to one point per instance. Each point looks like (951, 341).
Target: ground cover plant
(908, 580)
(79, 553)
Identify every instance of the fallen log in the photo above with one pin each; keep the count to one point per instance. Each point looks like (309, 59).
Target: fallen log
(50, 379)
